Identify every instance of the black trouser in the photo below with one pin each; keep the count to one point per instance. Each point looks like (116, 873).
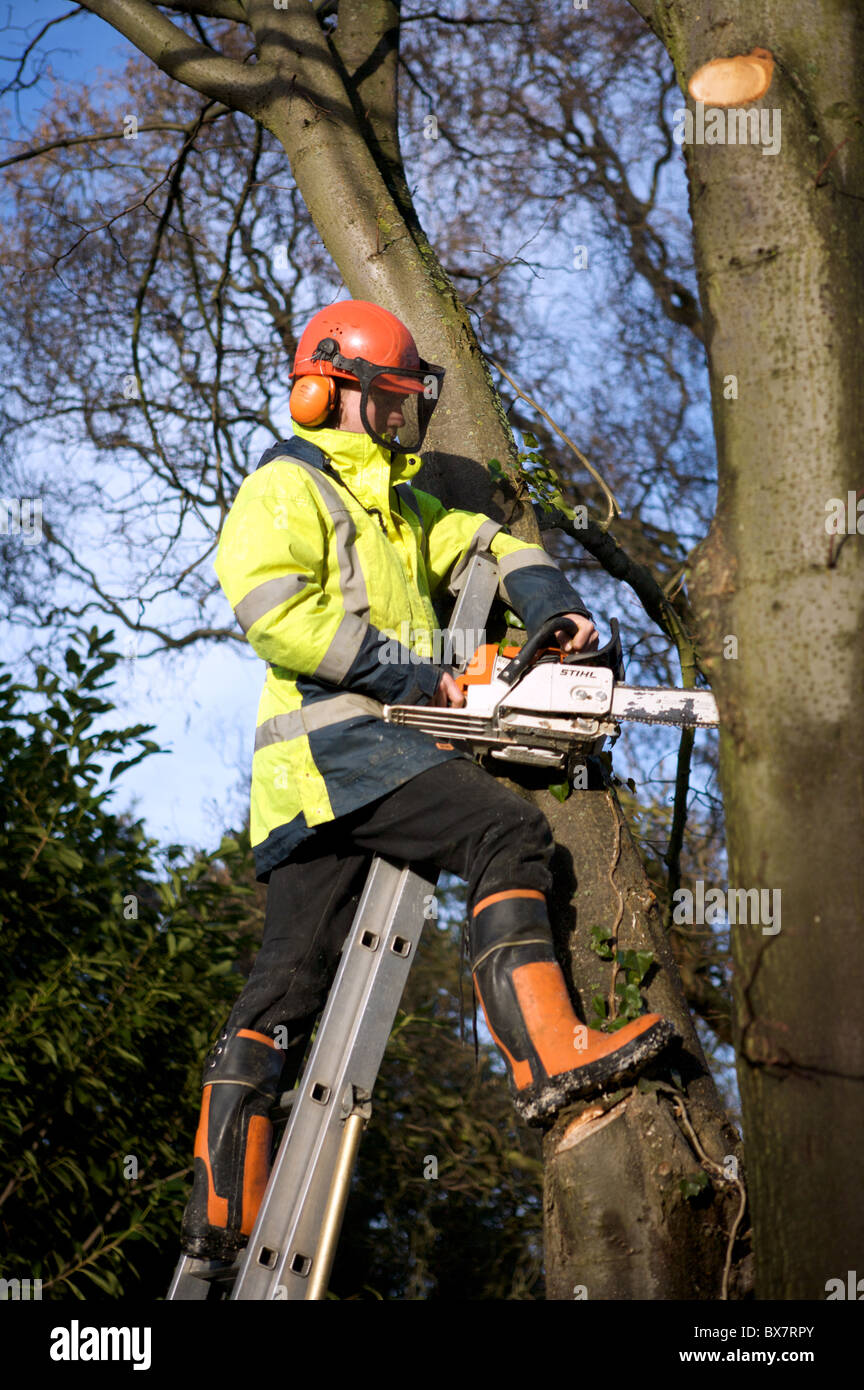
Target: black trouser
(454, 816)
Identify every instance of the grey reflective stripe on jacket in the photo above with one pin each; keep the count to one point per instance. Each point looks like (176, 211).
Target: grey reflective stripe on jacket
(317, 715)
(520, 560)
(339, 656)
(267, 596)
(348, 638)
(355, 598)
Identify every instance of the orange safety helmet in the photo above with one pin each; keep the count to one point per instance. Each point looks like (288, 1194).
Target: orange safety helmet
(359, 341)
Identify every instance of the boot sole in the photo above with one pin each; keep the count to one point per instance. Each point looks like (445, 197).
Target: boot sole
(537, 1103)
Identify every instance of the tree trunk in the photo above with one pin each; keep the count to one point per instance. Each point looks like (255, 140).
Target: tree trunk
(780, 247)
(618, 1224)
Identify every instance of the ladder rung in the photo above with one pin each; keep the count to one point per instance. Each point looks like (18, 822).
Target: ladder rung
(282, 1109)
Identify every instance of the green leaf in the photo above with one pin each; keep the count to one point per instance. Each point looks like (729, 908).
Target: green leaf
(556, 499)
(93, 675)
(131, 762)
(46, 1046)
(612, 1025)
(633, 1001)
(560, 790)
(694, 1183)
(626, 959)
(599, 937)
(67, 856)
(644, 961)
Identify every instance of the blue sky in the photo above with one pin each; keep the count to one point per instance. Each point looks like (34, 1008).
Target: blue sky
(203, 703)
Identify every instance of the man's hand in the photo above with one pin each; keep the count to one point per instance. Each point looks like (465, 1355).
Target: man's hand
(447, 692)
(585, 639)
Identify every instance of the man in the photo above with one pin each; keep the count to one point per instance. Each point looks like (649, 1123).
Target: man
(326, 552)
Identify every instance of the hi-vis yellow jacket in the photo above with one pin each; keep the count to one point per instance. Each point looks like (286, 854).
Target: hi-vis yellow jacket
(330, 561)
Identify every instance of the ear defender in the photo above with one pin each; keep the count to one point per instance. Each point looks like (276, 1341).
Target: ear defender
(312, 399)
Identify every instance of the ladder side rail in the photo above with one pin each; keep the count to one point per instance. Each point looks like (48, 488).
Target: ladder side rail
(350, 1043)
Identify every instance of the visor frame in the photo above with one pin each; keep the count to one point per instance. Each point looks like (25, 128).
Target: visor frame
(367, 374)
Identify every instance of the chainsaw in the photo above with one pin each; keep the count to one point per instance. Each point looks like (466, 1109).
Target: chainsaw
(539, 705)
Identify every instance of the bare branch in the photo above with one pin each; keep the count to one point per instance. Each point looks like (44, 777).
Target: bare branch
(466, 21)
(68, 141)
(184, 58)
(110, 605)
(219, 296)
(613, 509)
(15, 83)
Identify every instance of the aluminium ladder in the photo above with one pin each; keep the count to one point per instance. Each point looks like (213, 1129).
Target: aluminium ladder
(291, 1249)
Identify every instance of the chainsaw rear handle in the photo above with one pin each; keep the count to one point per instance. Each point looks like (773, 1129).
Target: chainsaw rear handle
(609, 655)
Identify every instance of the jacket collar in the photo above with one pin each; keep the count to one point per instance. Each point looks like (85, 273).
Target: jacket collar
(367, 469)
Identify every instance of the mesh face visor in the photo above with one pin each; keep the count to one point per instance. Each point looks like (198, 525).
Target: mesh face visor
(420, 386)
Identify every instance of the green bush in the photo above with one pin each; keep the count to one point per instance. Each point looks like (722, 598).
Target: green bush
(116, 972)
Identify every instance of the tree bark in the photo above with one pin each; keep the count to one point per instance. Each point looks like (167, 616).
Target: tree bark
(780, 247)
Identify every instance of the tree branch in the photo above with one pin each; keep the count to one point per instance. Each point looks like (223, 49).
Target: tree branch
(705, 998)
(366, 46)
(15, 83)
(67, 141)
(672, 857)
(184, 58)
(648, 11)
(211, 9)
(111, 606)
(219, 297)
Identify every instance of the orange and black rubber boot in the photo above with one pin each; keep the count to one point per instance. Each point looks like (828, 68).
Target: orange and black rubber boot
(552, 1057)
(233, 1144)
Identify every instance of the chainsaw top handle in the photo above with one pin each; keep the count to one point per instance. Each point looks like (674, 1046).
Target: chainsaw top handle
(609, 655)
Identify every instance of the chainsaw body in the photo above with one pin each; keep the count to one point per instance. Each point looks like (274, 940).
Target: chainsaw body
(539, 705)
